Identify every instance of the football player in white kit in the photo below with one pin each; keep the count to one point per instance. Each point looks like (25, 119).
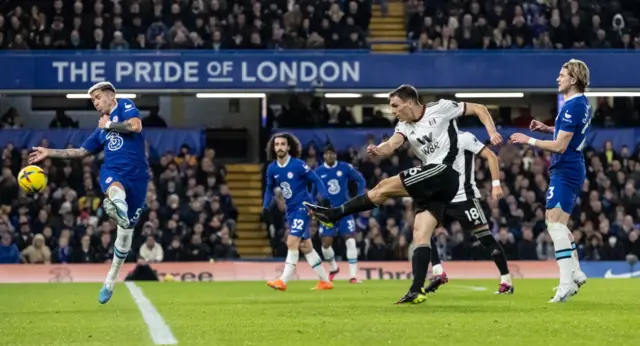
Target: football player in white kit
(467, 208)
(432, 131)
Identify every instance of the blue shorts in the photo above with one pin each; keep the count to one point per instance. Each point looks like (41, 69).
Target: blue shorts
(298, 221)
(563, 192)
(134, 187)
(345, 227)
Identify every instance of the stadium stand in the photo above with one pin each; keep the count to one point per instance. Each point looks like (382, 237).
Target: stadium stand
(192, 216)
(444, 25)
(184, 24)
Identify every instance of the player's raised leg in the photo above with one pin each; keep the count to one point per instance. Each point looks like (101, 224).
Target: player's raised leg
(424, 225)
(133, 205)
(115, 203)
(387, 188)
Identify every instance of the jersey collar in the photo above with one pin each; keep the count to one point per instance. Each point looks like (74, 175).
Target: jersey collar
(573, 97)
(334, 165)
(285, 164)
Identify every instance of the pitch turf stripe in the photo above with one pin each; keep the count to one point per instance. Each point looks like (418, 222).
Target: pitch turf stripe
(159, 330)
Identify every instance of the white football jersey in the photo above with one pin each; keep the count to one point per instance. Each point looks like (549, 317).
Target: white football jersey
(469, 146)
(434, 136)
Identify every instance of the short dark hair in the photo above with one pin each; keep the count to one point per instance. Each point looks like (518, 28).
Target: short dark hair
(405, 92)
(295, 148)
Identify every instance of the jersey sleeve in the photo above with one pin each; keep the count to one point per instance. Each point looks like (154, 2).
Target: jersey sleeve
(93, 144)
(268, 191)
(312, 177)
(128, 110)
(400, 129)
(469, 142)
(357, 177)
(449, 110)
(572, 117)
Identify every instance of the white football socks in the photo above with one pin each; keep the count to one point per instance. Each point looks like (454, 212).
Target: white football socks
(352, 257)
(119, 198)
(437, 269)
(315, 262)
(120, 251)
(290, 265)
(330, 256)
(575, 257)
(560, 235)
(506, 279)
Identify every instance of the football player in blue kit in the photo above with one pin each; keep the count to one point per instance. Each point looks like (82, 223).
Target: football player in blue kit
(292, 176)
(567, 170)
(336, 176)
(124, 175)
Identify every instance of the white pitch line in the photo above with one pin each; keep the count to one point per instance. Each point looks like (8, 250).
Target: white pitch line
(158, 328)
(472, 288)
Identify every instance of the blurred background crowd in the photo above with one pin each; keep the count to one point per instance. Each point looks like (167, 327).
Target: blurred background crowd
(191, 215)
(185, 24)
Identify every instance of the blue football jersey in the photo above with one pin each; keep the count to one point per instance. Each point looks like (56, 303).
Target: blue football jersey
(292, 178)
(336, 179)
(574, 117)
(123, 152)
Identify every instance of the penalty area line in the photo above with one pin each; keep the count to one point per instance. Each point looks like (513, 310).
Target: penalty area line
(158, 328)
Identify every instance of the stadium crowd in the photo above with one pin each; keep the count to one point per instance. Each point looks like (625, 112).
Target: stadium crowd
(184, 24)
(190, 215)
(540, 24)
(605, 221)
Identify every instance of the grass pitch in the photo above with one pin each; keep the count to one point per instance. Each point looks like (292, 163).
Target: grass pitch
(463, 312)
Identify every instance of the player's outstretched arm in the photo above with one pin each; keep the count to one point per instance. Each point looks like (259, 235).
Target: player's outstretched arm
(483, 114)
(40, 153)
(541, 127)
(559, 145)
(387, 148)
(494, 168)
(129, 125)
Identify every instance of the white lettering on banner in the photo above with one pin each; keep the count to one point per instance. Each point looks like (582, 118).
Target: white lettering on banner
(303, 71)
(158, 71)
(83, 72)
(219, 72)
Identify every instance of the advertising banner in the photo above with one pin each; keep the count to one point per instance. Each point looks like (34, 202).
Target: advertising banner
(175, 71)
(261, 271)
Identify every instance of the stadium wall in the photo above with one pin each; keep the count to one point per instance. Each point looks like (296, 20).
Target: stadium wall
(261, 271)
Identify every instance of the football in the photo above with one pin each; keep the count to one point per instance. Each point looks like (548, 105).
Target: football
(32, 179)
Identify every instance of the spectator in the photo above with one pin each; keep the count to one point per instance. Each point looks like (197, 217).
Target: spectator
(9, 253)
(151, 251)
(36, 253)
